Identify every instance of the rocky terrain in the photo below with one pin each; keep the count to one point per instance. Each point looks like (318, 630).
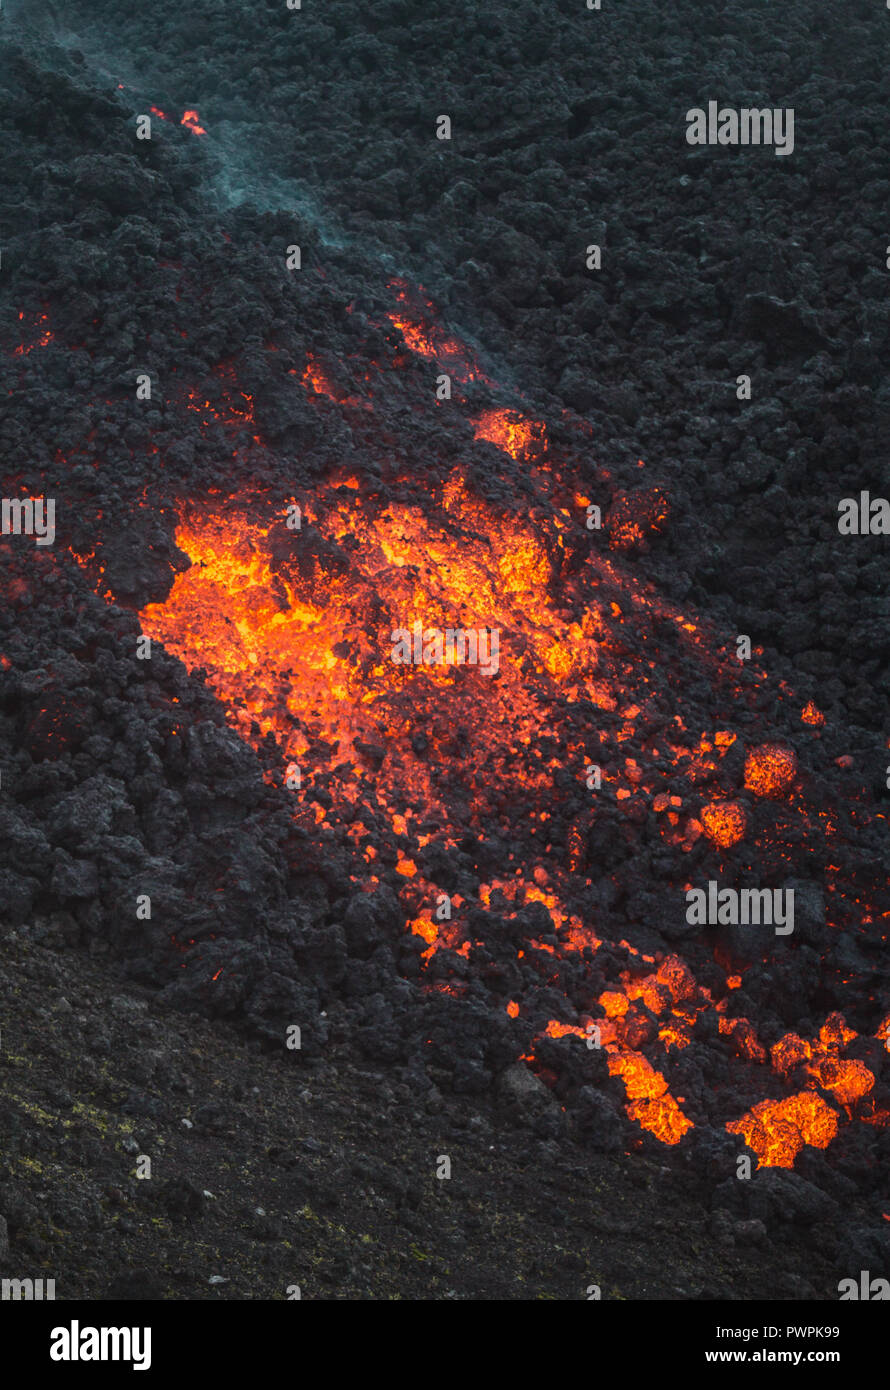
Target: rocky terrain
(164, 260)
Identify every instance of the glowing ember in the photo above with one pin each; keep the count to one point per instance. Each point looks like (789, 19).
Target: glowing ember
(811, 715)
(425, 928)
(790, 1052)
(41, 322)
(318, 380)
(724, 823)
(415, 320)
(648, 1100)
(190, 121)
(635, 517)
(518, 437)
(744, 1037)
(848, 1081)
(778, 1129)
(674, 1035)
(770, 770)
(563, 1030)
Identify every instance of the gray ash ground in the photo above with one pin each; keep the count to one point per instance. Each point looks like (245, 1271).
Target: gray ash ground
(324, 1175)
(166, 257)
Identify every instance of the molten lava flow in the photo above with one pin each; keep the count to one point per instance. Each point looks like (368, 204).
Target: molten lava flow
(191, 122)
(724, 823)
(649, 1102)
(404, 762)
(289, 641)
(510, 431)
(770, 770)
(778, 1129)
(813, 716)
(295, 632)
(415, 320)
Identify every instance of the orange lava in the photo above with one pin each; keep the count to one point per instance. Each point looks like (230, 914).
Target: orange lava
(724, 823)
(294, 634)
(811, 715)
(789, 1052)
(778, 1129)
(510, 431)
(318, 380)
(191, 122)
(744, 1037)
(649, 1102)
(40, 321)
(770, 770)
(674, 1035)
(316, 377)
(636, 516)
(415, 320)
(563, 1030)
(847, 1080)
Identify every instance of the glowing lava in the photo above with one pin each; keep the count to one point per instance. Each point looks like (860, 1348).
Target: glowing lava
(39, 324)
(402, 762)
(510, 431)
(778, 1129)
(415, 320)
(770, 770)
(724, 823)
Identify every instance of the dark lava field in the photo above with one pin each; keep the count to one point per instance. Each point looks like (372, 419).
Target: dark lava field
(423, 568)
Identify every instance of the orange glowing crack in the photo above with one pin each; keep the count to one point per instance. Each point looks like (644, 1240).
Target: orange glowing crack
(191, 122)
(415, 320)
